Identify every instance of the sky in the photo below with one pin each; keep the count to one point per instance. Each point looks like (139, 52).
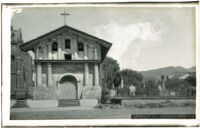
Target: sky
(142, 38)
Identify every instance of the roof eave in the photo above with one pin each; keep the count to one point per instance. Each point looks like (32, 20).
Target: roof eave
(26, 46)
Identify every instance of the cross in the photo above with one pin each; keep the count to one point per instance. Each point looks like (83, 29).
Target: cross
(65, 14)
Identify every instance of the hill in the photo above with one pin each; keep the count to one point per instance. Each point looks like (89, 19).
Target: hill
(170, 71)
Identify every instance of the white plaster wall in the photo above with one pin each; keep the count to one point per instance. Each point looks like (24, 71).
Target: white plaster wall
(54, 55)
(90, 53)
(80, 55)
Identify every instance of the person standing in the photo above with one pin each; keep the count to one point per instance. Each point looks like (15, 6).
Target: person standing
(132, 90)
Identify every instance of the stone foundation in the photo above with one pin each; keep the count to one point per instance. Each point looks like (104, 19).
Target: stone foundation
(88, 102)
(51, 93)
(91, 92)
(42, 103)
(43, 93)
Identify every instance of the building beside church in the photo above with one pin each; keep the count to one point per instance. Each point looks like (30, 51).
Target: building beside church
(21, 67)
(67, 64)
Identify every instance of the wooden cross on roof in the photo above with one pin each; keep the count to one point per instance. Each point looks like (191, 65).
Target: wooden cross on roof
(65, 14)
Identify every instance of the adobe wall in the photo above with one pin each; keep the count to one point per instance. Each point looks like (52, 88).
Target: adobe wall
(75, 69)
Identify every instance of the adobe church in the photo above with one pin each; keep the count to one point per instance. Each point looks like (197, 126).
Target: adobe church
(67, 64)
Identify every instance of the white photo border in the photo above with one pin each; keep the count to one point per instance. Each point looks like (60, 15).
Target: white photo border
(7, 10)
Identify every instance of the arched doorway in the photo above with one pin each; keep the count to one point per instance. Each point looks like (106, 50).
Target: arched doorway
(68, 87)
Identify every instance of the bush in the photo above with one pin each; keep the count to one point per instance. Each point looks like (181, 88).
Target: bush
(162, 104)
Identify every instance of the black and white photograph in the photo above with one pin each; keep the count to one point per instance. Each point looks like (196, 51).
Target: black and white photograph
(102, 62)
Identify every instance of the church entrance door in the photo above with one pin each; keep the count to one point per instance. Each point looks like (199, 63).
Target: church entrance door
(68, 87)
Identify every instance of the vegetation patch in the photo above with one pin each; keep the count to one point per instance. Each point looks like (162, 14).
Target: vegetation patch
(162, 104)
(109, 106)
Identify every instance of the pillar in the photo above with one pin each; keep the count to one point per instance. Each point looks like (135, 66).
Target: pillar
(59, 55)
(49, 74)
(74, 42)
(95, 53)
(36, 51)
(44, 53)
(39, 74)
(85, 57)
(85, 51)
(96, 75)
(49, 51)
(96, 69)
(86, 74)
(72, 49)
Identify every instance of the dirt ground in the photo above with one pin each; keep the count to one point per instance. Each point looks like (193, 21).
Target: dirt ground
(92, 113)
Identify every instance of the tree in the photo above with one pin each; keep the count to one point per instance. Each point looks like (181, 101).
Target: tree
(151, 88)
(117, 79)
(191, 85)
(110, 69)
(181, 86)
(191, 80)
(162, 77)
(131, 77)
(167, 77)
(173, 84)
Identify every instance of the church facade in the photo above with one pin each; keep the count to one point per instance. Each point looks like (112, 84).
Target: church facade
(67, 64)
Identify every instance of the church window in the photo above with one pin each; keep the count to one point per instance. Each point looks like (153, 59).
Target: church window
(67, 44)
(55, 46)
(80, 46)
(68, 57)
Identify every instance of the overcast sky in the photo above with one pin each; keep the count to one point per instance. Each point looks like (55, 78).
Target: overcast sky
(142, 38)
